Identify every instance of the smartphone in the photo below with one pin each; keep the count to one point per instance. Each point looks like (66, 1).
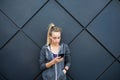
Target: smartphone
(61, 55)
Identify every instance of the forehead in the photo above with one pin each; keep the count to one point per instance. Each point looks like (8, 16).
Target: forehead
(56, 34)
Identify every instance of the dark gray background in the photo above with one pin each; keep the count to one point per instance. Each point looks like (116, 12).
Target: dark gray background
(91, 28)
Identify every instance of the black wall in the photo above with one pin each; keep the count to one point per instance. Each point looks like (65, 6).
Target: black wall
(90, 27)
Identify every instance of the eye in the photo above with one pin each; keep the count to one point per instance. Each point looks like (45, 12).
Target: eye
(56, 37)
(59, 37)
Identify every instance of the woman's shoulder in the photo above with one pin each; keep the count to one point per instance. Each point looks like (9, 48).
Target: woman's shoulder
(66, 47)
(64, 44)
(44, 46)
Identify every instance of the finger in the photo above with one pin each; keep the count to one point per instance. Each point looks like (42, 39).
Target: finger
(59, 57)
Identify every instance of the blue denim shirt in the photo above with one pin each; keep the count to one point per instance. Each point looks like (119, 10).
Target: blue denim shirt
(46, 56)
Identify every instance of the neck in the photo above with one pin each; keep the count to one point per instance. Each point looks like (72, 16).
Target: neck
(54, 44)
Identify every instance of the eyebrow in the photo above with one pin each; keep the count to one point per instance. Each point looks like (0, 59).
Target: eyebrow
(56, 37)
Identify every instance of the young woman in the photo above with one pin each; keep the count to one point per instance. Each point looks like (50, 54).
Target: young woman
(53, 64)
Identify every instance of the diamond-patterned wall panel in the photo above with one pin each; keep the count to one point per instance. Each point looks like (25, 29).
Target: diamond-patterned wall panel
(20, 10)
(106, 27)
(91, 28)
(1, 77)
(19, 59)
(52, 12)
(88, 58)
(7, 29)
(84, 10)
(113, 73)
(119, 58)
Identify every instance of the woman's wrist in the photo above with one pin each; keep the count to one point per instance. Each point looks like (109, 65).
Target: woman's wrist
(49, 64)
(65, 69)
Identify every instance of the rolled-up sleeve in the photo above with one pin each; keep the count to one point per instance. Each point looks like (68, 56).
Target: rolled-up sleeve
(67, 56)
(42, 59)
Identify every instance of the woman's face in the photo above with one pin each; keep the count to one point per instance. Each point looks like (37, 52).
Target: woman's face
(55, 37)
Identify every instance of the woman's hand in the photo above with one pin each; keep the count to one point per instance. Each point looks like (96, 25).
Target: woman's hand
(54, 61)
(57, 60)
(64, 71)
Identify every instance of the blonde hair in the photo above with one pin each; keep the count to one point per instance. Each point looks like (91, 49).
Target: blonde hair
(52, 28)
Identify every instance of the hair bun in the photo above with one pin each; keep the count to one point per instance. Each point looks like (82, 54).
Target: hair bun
(52, 24)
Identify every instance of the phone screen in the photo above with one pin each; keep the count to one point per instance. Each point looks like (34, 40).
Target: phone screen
(61, 55)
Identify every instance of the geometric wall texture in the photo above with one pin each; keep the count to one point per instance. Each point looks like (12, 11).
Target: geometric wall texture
(91, 28)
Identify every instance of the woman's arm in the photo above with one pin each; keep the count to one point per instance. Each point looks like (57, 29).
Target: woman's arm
(67, 57)
(42, 59)
(44, 64)
(54, 61)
